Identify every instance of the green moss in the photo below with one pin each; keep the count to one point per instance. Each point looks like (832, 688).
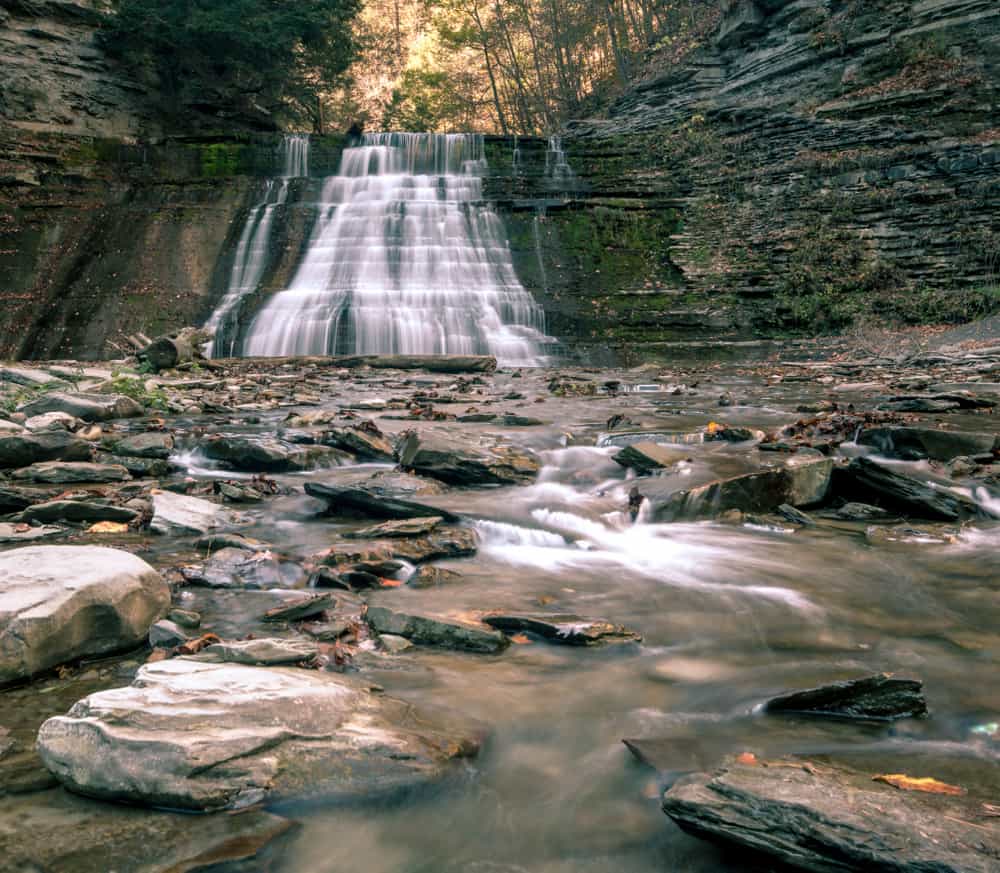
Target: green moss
(221, 158)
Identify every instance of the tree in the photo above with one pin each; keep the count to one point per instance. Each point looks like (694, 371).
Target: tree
(263, 60)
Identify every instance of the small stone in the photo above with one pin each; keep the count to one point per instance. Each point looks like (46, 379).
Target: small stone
(166, 634)
(185, 618)
(393, 644)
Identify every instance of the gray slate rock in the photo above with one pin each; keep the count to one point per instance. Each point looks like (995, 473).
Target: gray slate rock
(165, 634)
(569, 630)
(180, 514)
(89, 407)
(440, 631)
(834, 820)
(880, 697)
(917, 443)
(361, 501)
(58, 472)
(454, 462)
(22, 533)
(78, 510)
(60, 603)
(145, 445)
(22, 449)
(203, 736)
(237, 567)
(266, 652)
(363, 445)
(412, 527)
(269, 455)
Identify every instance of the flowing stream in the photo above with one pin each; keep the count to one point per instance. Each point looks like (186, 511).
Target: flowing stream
(406, 257)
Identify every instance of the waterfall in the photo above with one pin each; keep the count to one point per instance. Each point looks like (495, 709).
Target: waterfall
(407, 258)
(557, 168)
(252, 250)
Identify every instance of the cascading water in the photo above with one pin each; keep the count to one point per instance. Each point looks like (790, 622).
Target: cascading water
(557, 168)
(252, 249)
(406, 258)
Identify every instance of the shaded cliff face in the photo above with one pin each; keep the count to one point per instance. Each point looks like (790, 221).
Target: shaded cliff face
(829, 160)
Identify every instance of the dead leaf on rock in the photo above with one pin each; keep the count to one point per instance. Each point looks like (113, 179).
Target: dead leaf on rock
(108, 527)
(912, 783)
(192, 647)
(390, 583)
(520, 640)
(748, 758)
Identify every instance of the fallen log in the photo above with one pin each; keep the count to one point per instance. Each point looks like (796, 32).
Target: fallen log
(168, 351)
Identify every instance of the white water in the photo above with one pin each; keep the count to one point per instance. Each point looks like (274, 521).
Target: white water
(252, 249)
(406, 258)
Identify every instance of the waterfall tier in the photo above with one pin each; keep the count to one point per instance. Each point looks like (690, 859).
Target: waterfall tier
(406, 257)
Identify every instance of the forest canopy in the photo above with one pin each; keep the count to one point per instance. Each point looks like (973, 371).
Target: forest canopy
(507, 66)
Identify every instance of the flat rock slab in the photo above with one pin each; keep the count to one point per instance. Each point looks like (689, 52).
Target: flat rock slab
(362, 501)
(181, 513)
(802, 481)
(28, 377)
(89, 407)
(364, 445)
(201, 736)
(881, 697)
(60, 603)
(22, 449)
(58, 472)
(145, 445)
(77, 510)
(570, 630)
(239, 567)
(269, 455)
(266, 652)
(437, 630)
(917, 443)
(411, 527)
(455, 462)
(24, 533)
(833, 820)
(300, 610)
(866, 480)
(644, 458)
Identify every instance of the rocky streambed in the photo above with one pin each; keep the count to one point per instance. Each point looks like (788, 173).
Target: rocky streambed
(428, 616)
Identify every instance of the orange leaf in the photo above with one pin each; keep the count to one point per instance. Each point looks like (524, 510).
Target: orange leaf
(520, 640)
(748, 758)
(108, 527)
(390, 583)
(911, 783)
(713, 427)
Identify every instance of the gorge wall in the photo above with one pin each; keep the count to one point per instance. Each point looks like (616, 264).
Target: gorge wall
(815, 162)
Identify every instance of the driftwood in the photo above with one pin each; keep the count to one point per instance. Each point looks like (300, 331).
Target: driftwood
(173, 349)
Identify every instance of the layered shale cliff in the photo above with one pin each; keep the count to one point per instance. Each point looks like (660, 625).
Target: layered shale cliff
(813, 164)
(830, 161)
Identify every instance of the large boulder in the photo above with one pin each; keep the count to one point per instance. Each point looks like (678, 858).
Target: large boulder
(455, 462)
(22, 449)
(194, 735)
(802, 481)
(181, 514)
(60, 603)
(834, 820)
(89, 407)
(437, 630)
(145, 445)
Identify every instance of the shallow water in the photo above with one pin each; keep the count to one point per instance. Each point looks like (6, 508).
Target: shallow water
(730, 615)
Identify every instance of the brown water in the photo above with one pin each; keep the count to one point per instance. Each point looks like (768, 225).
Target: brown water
(730, 615)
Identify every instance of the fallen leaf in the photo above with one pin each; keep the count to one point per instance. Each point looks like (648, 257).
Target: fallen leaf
(748, 758)
(713, 428)
(108, 527)
(390, 583)
(192, 647)
(912, 783)
(520, 640)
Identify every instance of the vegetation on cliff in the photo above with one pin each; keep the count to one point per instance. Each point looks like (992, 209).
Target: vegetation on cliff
(246, 58)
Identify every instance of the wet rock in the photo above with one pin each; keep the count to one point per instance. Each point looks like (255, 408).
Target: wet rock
(25, 533)
(456, 463)
(237, 492)
(59, 603)
(204, 736)
(29, 377)
(511, 420)
(936, 402)
(860, 512)
(216, 541)
(235, 567)
(917, 443)
(141, 468)
(412, 527)
(833, 820)
(452, 542)
(78, 510)
(728, 434)
(907, 535)
(300, 610)
(369, 503)
(88, 407)
(165, 634)
(430, 576)
(440, 631)
(645, 458)
(145, 445)
(268, 455)
(881, 697)
(185, 618)
(804, 481)
(865, 480)
(365, 445)
(570, 630)
(10, 427)
(327, 631)
(14, 499)
(20, 450)
(181, 514)
(52, 421)
(795, 516)
(60, 472)
(266, 652)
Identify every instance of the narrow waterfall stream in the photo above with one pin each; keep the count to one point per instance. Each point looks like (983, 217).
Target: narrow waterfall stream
(252, 250)
(406, 257)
